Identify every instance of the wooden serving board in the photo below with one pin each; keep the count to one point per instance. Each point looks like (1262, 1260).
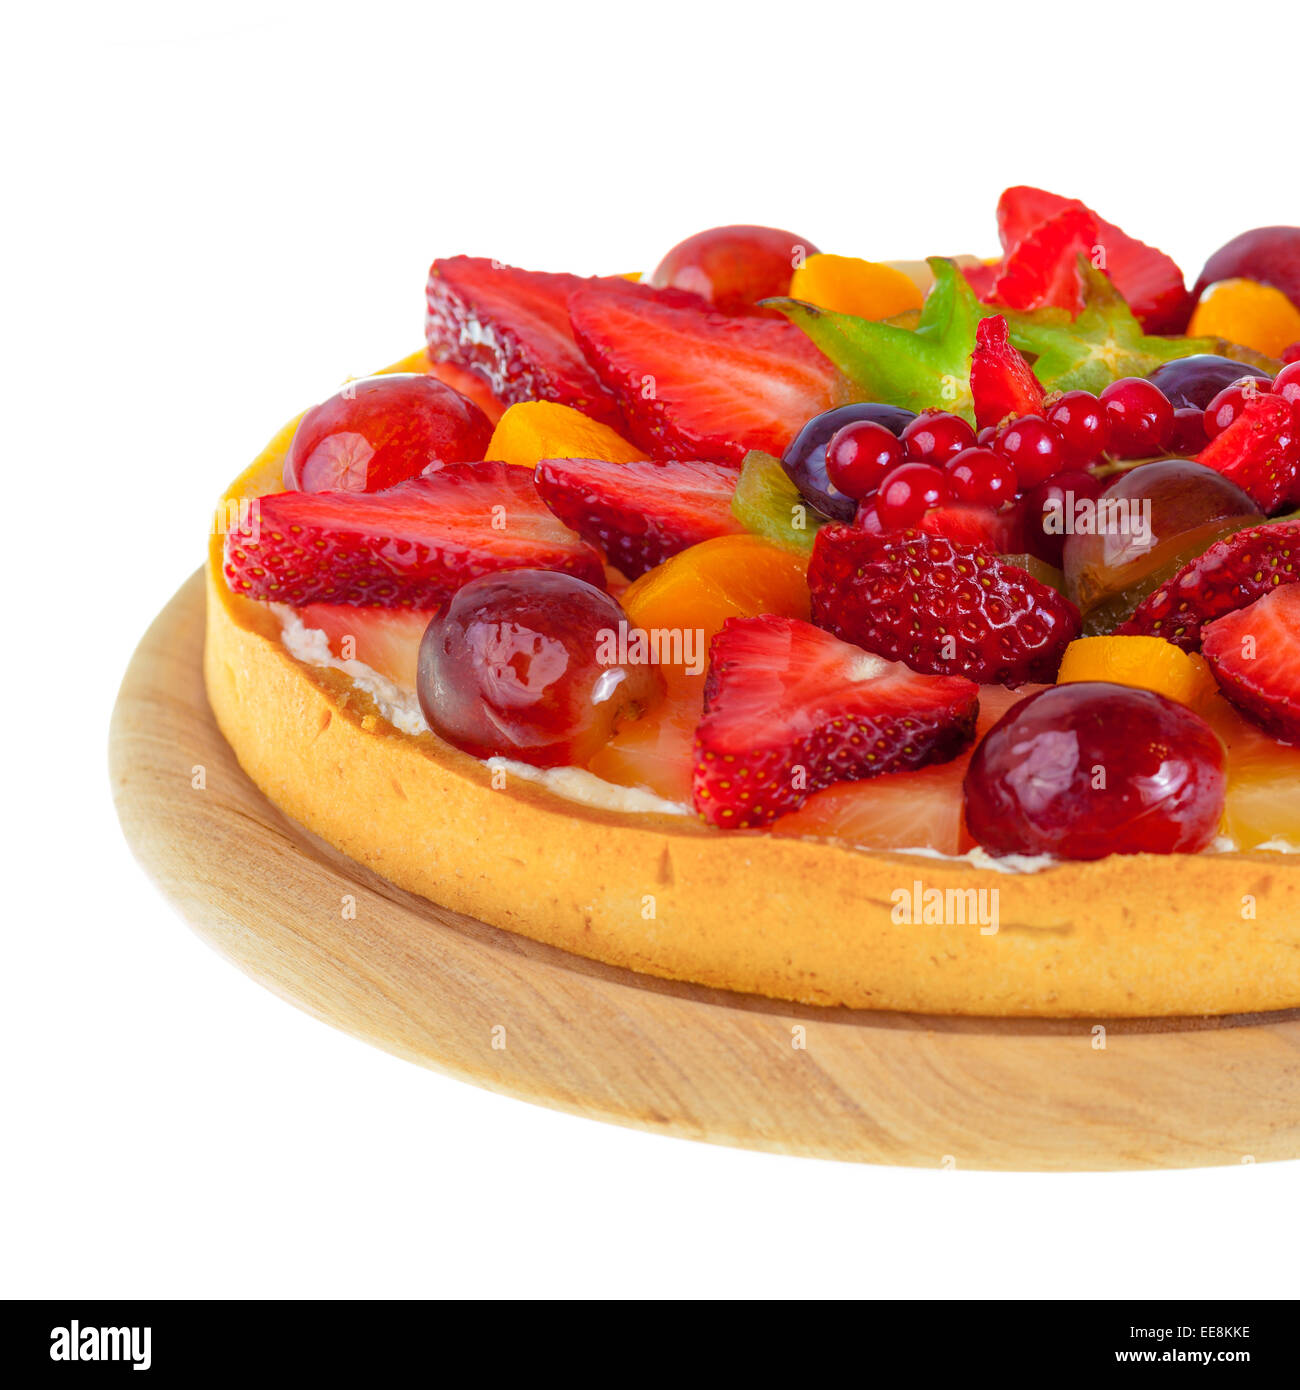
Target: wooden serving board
(538, 1024)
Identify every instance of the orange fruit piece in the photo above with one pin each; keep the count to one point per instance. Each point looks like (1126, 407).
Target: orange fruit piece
(848, 285)
(1249, 314)
(1147, 663)
(655, 751)
(903, 810)
(1263, 793)
(534, 430)
(699, 588)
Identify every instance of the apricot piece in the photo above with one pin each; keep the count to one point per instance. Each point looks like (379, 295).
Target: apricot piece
(1249, 314)
(848, 285)
(1146, 663)
(534, 430)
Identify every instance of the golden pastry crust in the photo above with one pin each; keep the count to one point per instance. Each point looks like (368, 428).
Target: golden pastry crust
(806, 920)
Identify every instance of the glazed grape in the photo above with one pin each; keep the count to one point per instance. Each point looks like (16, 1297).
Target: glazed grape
(1089, 769)
(909, 492)
(1188, 435)
(524, 664)
(1195, 381)
(859, 456)
(1057, 497)
(935, 436)
(383, 430)
(733, 267)
(1230, 402)
(1080, 421)
(1033, 448)
(981, 478)
(1138, 416)
(805, 459)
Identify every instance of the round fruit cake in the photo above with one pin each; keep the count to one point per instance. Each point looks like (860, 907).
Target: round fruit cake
(914, 636)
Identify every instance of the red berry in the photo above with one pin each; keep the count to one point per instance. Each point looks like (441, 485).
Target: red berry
(1254, 654)
(935, 437)
(981, 478)
(868, 518)
(1090, 769)
(1287, 383)
(1291, 354)
(1033, 448)
(1057, 495)
(987, 436)
(1188, 435)
(1139, 416)
(733, 267)
(1080, 420)
(909, 492)
(1228, 405)
(859, 456)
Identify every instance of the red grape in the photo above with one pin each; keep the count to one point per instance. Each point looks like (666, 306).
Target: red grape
(1084, 770)
(733, 267)
(1188, 435)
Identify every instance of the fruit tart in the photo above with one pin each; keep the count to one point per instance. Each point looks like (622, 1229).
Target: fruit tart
(895, 635)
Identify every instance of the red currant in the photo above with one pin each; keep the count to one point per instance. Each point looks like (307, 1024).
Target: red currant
(908, 493)
(1188, 435)
(935, 437)
(1078, 417)
(1059, 493)
(859, 455)
(1291, 354)
(1139, 416)
(1287, 383)
(987, 437)
(868, 518)
(981, 478)
(1033, 448)
(1231, 401)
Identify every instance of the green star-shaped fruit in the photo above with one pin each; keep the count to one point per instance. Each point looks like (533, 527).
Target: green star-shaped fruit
(1102, 343)
(921, 368)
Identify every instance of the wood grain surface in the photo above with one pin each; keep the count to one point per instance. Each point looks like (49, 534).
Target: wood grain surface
(535, 1023)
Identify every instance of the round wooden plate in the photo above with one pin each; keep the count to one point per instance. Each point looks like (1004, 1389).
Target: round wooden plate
(541, 1025)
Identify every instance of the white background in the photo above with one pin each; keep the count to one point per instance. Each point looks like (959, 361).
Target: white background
(212, 216)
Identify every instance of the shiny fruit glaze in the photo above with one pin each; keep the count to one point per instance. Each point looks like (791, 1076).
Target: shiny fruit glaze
(1083, 771)
(860, 455)
(525, 665)
(1139, 418)
(805, 459)
(383, 430)
(733, 267)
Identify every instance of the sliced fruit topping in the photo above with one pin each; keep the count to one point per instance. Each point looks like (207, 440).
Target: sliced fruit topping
(790, 709)
(805, 459)
(733, 267)
(940, 606)
(1000, 533)
(902, 810)
(688, 598)
(1259, 451)
(696, 385)
(385, 639)
(925, 367)
(1001, 381)
(1043, 234)
(654, 753)
(1231, 574)
(1263, 800)
(411, 546)
(767, 503)
(535, 430)
(640, 513)
(529, 665)
(1254, 653)
(1146, 663)
(1247, 312)
(383, 430)
(470, 384)
(1083, 771)
(848, 285)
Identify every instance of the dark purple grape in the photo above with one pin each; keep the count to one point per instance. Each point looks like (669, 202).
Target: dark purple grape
(1195, 381)
(805, 459)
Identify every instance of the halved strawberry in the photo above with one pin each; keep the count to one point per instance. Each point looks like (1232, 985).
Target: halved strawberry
(696, 385)
(385, 639)
(1254, 654)
(790, 709)
(940, 606)
(470, 383)
(1042, 233)
(1260, 452)
(640, 513)
(1002, 383)
(1000, 533)
(410, 546)
(1232, 573)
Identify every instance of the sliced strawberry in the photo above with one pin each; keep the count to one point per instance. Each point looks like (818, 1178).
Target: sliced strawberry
(942, 607)
(1260, 452)
(640, 513)
(469, 383)
(1149, 280)
(385, 639)
(1254, 654)
(1000, 533)
(411, 546)
(790, 709)
(1001, 381)
(1231, 574)
(512, 328)
(696, 385)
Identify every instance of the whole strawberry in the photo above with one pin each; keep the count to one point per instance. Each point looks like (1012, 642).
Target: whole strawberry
(940, 606)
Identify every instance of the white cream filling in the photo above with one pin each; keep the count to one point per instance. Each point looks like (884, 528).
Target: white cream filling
(402, 710)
